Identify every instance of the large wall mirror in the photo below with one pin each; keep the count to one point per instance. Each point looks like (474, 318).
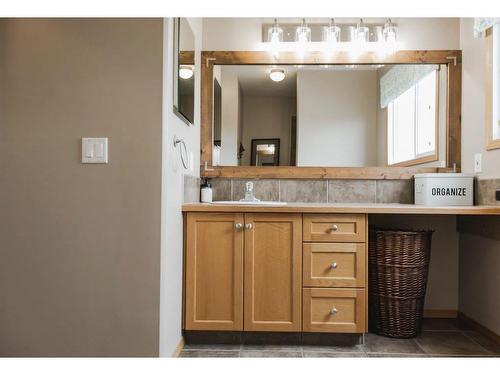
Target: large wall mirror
(184, 70)
(403, 113)
(492, 86)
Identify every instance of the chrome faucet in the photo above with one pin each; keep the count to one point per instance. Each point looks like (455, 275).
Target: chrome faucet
(249, 197)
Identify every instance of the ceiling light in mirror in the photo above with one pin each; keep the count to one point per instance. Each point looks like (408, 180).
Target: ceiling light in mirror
(275, 33)
(277, 75)
(186, 71)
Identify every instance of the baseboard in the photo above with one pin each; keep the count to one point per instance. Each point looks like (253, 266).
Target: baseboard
(440, 313)
(469, 322)
(178, 348)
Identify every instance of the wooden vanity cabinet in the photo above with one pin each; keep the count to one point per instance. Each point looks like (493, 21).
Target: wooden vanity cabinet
(214, 271)
(250, 260)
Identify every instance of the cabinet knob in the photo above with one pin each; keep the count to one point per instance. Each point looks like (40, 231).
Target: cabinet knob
(238, 225)
(334, 227)
(333, 311)
(333, 265)
(248, 226)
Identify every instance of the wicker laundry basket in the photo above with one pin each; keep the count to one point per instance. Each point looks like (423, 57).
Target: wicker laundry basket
(398, 268)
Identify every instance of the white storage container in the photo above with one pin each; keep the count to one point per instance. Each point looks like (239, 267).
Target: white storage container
(444, 189)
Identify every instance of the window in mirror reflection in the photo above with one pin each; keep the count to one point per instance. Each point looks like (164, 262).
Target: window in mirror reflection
(412, 121)
(328, 115)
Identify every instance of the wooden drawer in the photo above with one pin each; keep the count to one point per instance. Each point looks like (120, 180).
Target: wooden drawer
(334, 228)
(334, 264)
(334, 310)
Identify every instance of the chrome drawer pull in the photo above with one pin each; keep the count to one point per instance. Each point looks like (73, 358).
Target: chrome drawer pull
(248, 226)
(238, 225)
(334, 227)
(333, 311)
(333, 265)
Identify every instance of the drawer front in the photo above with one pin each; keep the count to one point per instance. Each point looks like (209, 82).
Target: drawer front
(334, 264)
(334, 310)
(334, 228)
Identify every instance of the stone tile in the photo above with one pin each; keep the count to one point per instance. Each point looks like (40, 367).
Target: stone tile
(485, 191)
(395, 191)
(272, 348)
(309, 191)
(490, 345)
(269, 354)
(397, 355)
(380, 344)
(221, 189)
(333, 349)
(352, 191)
(449, 343)
(316, 354)
(439, 324)
(191, 189)
(212, 347)
(209, 354)
(266, 190)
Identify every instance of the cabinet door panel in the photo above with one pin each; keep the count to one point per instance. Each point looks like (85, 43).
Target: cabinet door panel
(214, 272)
(273, 267)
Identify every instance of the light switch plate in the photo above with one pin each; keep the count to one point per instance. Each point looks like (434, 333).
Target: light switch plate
(95, 150)
(478, 168)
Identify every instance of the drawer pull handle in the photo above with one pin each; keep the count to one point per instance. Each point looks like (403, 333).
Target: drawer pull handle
(333, 311)
(238, 225)
(334, 228)
(333, 265)
(248, 226)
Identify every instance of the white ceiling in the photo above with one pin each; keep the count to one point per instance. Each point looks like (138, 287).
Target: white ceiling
(254, 79)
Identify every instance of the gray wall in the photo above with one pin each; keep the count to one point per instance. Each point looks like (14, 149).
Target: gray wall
(80, 244)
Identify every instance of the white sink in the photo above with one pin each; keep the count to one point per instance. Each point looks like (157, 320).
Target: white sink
(243, 203)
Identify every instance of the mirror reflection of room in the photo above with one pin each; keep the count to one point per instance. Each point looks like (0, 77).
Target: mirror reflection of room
(329, 115)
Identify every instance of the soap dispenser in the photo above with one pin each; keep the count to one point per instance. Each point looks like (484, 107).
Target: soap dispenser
(206, 192)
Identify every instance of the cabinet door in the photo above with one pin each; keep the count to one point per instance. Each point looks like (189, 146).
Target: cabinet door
(214, 272)
(273, 271)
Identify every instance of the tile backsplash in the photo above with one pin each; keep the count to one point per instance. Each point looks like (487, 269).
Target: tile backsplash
(317, 191)
(485, 191)
(325, 191)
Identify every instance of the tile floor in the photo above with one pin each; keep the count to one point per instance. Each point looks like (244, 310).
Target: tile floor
(439, 338)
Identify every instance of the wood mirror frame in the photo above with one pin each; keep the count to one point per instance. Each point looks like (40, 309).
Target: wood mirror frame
(452, 58)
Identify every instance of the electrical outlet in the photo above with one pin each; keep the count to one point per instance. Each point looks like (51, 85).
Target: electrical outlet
(497, 195)
(478, 167)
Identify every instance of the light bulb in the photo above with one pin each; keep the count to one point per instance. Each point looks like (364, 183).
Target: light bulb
(303, 33)
(362, 33)
(331, 33)
(275, 33)
(277, 75)
(389, 32)
(186, 71)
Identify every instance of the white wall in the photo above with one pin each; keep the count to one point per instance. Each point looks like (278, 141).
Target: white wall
(245, 34)
(479, 256)
(230, 117)
(172, 192)
(336, 118)
(473, 102)
(267, 117)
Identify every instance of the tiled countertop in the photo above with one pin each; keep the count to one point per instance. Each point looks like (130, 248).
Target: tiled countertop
(362, 208)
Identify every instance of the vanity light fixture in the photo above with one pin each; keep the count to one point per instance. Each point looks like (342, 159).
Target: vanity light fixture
(275, 33)
(389, 32)
(331, 33)
(303, 32)
(362, 32)
(277, 75)
(186, 71)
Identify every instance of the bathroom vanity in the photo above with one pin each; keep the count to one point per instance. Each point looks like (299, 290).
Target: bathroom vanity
(288, 268)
